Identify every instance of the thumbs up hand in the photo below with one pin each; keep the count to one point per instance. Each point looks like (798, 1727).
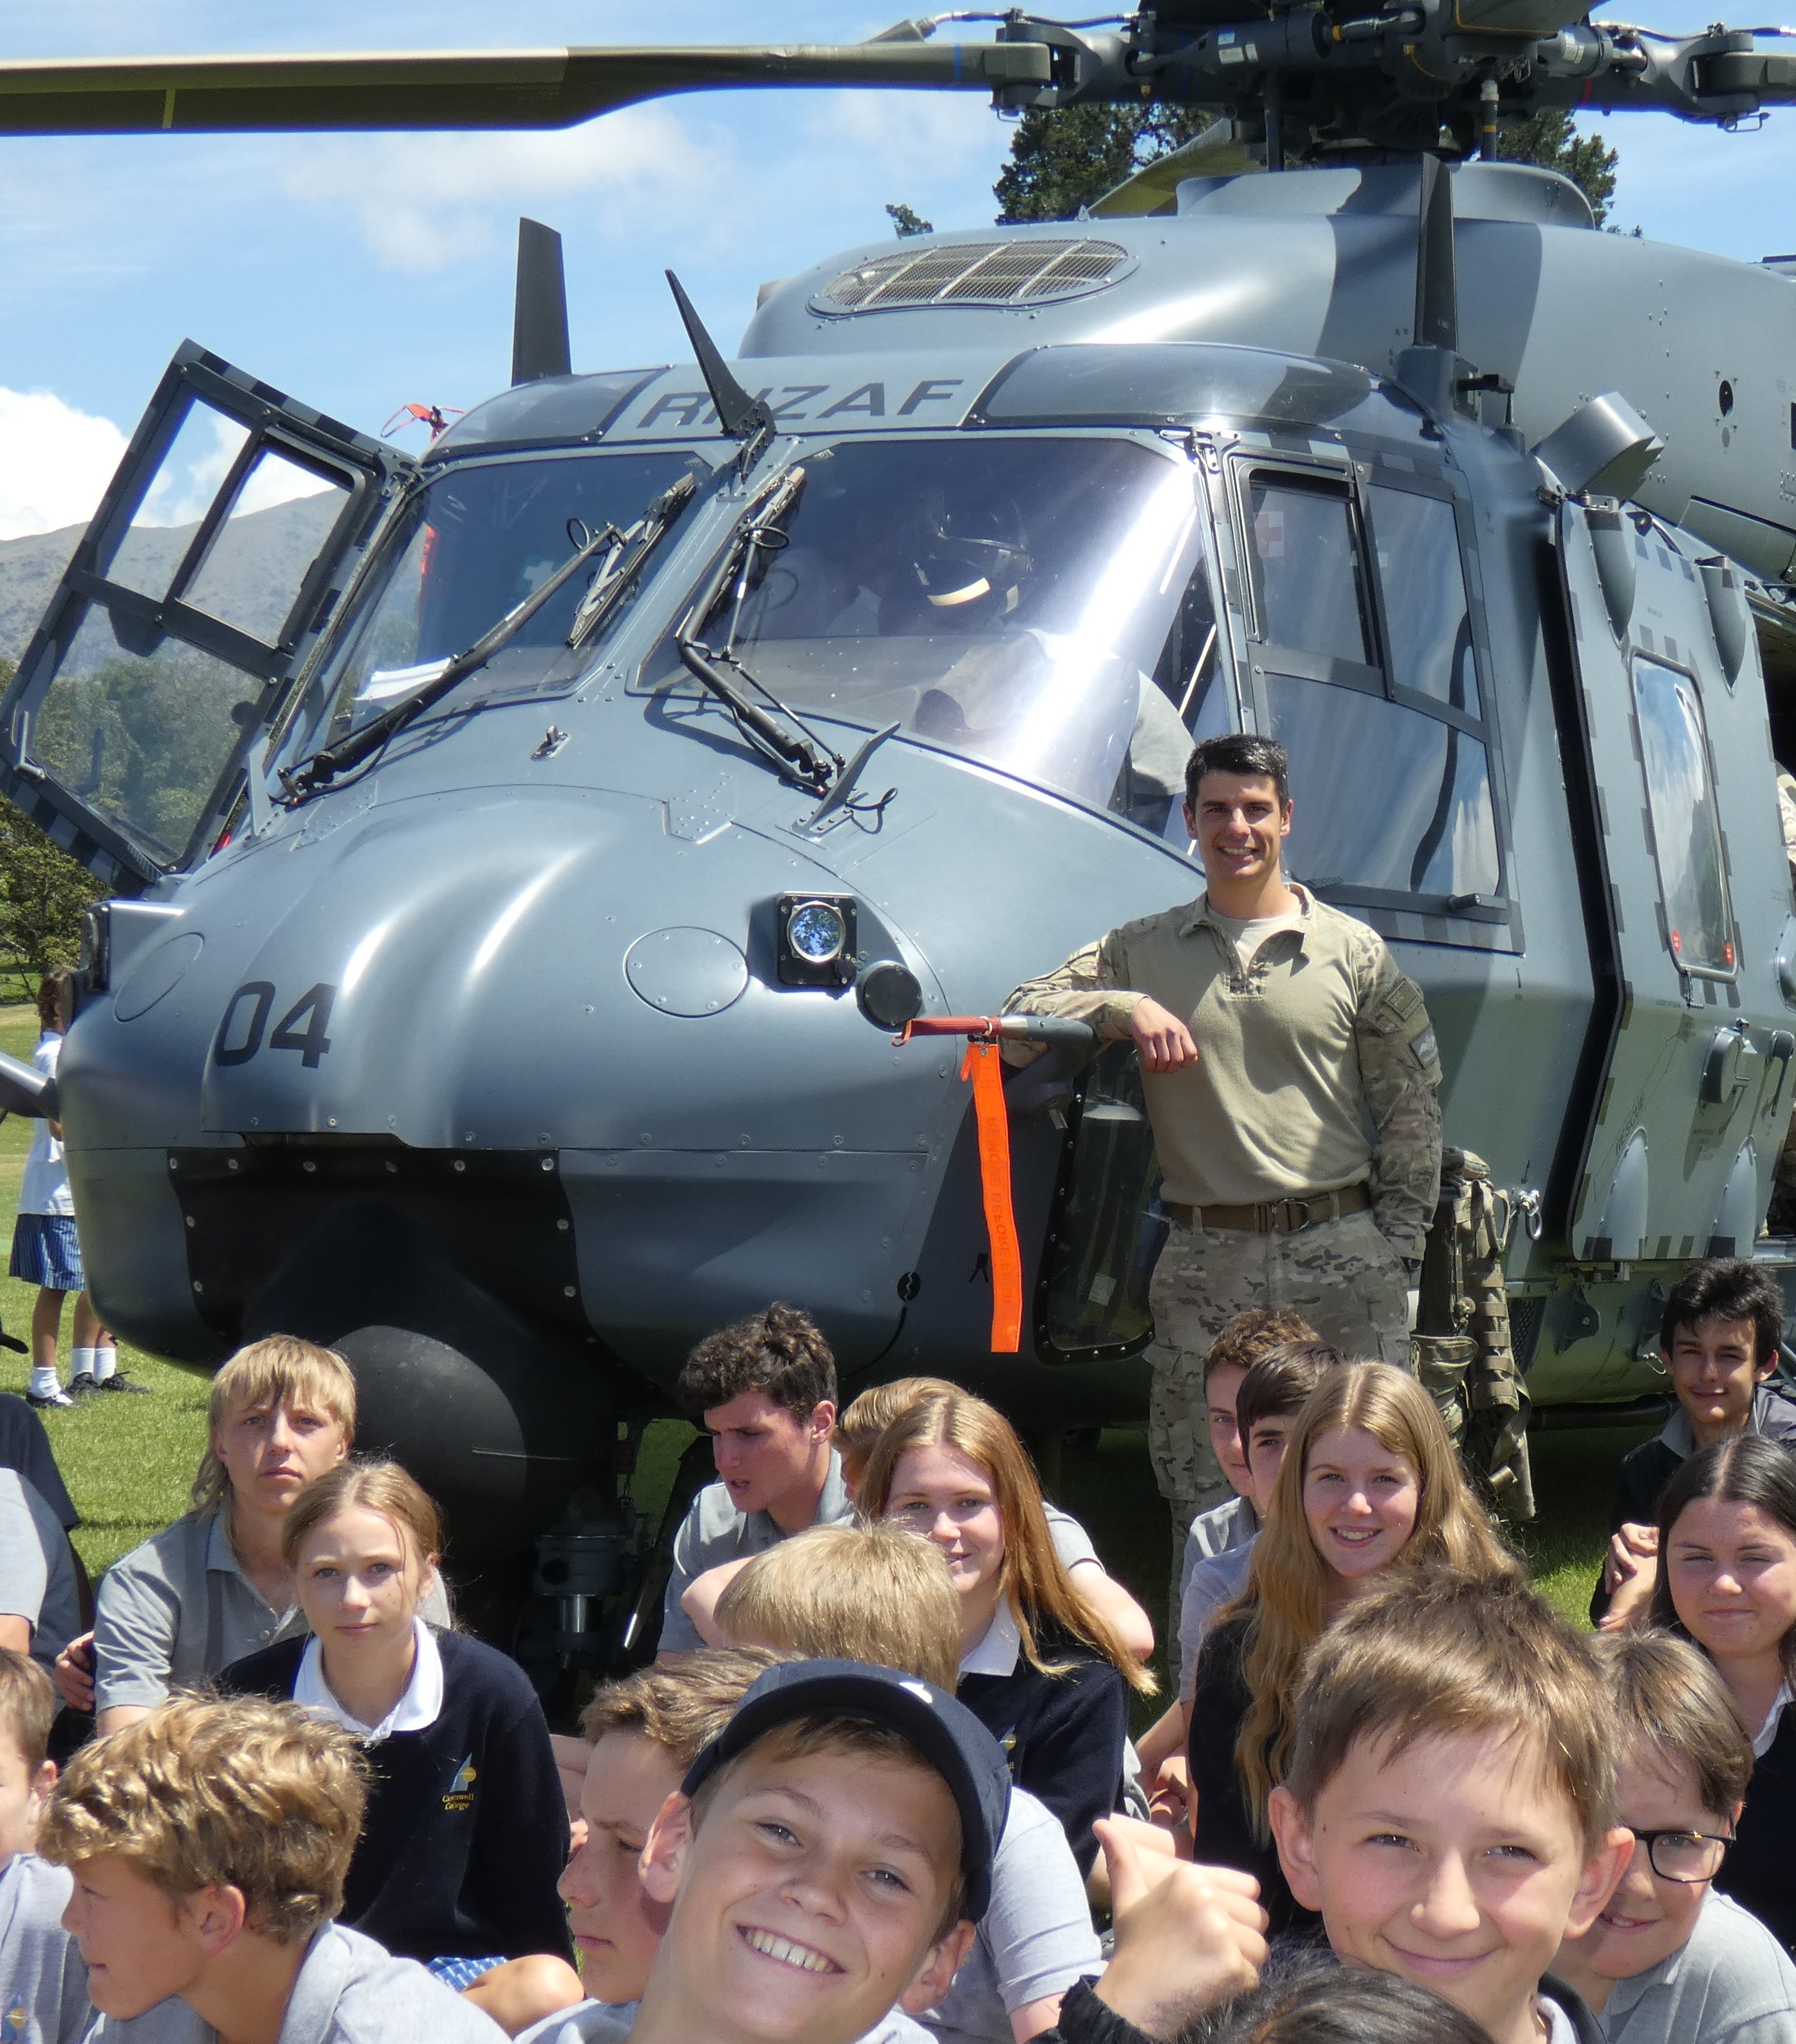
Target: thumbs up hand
(1187, 1937)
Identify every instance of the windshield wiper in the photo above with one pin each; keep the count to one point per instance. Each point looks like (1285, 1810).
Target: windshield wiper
(777, 731)
(627, 552)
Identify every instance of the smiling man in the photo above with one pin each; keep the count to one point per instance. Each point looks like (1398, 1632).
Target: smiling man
(1273, 1030)
(765, 1390)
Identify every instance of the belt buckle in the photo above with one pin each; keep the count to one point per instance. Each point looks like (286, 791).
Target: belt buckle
(1289, 1216)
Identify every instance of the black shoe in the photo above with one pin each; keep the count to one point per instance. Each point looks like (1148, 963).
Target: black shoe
(119, 1382)
(81, 1384)
(58, 1400)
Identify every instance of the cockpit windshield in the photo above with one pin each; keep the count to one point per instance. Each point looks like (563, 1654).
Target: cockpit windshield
(476, 542)
(1008, 596)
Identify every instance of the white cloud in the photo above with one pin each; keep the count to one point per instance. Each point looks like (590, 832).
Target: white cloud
(53, 462)
(424, 202)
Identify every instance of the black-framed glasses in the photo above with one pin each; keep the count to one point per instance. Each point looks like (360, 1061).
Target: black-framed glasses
(1685, 1855)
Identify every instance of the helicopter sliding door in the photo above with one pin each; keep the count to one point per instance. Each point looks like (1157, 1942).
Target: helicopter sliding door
(218, 555)
(1683, 1120)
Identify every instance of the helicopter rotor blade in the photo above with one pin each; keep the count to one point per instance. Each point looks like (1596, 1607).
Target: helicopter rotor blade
(547, 88)
(540, 339)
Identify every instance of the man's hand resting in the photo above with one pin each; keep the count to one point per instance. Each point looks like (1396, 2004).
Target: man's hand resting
(1164, 1041)
(75, 1673)
(1187, 1937)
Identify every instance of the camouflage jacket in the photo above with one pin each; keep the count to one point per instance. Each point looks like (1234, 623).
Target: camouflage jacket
(1319, 1034)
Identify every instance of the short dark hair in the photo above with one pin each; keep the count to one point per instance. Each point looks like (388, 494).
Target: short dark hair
(1744, 1469)
(1240, 1342)
(1727, 1288)
(1281, 1382)
(780, 1353)
(1302, 2000)
(1238, 752)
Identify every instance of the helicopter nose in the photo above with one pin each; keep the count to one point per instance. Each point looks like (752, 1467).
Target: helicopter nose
(558, 1007)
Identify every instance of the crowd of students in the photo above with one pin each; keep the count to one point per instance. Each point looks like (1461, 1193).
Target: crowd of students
(879, 1779)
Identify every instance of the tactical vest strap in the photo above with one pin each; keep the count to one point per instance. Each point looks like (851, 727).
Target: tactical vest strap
(1461, 1347)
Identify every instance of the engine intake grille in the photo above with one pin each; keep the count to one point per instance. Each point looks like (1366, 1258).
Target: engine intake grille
(1026, 272)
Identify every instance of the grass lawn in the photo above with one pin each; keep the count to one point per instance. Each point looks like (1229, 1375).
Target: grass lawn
(129, 1462)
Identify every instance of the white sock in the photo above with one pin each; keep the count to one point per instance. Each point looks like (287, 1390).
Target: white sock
(105, 1361)
(84, 1361)
(43, 1379)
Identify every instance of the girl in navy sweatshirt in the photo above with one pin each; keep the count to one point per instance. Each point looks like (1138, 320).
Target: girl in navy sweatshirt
(1042, 1669)
(467, 1829)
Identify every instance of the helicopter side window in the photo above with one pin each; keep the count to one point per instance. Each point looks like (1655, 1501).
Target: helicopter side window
(1686, 838)
(1427, 622)
(1388, 800)
(1309, 590)
(1391, 763)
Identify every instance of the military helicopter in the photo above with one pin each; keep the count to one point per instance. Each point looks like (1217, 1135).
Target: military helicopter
(524, 858)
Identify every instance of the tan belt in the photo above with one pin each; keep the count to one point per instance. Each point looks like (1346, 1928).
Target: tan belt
(1286, 1216)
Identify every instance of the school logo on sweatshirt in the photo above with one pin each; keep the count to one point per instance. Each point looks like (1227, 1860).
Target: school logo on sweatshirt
(460, 1795)
(15, 2022)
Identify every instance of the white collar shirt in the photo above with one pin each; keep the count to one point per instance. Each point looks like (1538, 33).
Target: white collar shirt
(999, 1648)
(420, 1705)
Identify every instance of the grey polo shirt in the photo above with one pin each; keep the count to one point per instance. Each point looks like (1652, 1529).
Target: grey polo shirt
(1035, 1941)
(1732, 1984)
(43, 1983)
(37, 1580)
(611, 2022)
(1215, 1580)
(350, 1991)
(175, 1610)
(715, 1531)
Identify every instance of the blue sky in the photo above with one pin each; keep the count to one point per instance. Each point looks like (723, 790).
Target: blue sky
(360, 271)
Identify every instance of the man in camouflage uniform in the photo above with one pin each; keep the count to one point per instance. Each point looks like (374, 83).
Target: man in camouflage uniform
(1272, 1028)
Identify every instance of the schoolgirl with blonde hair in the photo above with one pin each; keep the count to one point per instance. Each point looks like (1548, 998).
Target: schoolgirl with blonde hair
(1370, 1484)
(1044, 1670)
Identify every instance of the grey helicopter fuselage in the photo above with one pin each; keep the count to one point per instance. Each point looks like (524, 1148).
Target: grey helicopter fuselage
(493, 1061)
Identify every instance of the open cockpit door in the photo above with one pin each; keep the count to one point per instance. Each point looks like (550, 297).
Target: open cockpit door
(219, 553)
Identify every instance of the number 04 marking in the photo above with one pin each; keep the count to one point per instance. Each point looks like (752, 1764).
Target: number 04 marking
(239, 1036)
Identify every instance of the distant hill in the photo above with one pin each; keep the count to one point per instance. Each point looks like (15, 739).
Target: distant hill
(250, 580)
(29, 569)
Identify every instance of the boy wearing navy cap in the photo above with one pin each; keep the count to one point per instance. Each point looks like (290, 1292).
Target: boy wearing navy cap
(827, 1859)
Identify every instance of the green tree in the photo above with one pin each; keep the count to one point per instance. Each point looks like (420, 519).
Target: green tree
(906, 221)
(1548, 139)
(43, 893)
(1064, 159)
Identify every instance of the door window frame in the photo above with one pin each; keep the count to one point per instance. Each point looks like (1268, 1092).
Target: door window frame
(367, 471)
(1354, 478)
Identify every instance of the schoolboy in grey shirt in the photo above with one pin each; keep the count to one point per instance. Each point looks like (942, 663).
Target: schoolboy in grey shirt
(208, 1843)
(36, 1571)
(1732, 1984)
(43, 1982)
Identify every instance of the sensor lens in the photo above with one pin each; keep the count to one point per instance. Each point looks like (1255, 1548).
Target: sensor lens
(817, 932)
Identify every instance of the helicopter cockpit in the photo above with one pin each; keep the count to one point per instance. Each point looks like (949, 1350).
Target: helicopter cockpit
(1010, 599)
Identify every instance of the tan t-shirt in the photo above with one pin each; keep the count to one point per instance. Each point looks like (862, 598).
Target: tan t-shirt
(1297, 1049)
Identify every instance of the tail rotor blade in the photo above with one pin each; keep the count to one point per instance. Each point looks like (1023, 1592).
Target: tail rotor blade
(540, 344)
